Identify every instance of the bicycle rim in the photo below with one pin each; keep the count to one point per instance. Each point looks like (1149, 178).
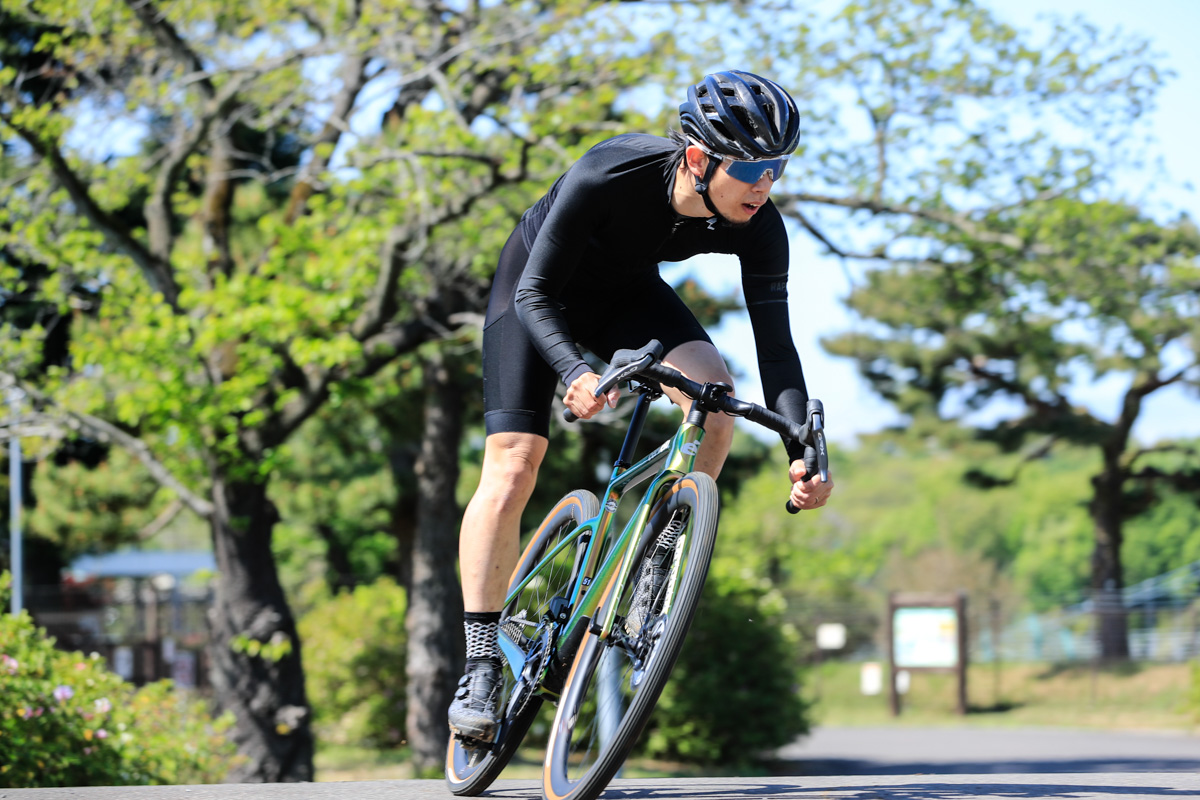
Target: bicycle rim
(613, 684)
(469, 771)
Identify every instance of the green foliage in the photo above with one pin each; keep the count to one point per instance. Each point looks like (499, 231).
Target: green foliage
(67, 721)
(734, 692)
(85, 508)
(902, 518)
(337, 497)
(354, 654)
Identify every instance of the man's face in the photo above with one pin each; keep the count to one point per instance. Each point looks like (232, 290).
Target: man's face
(738, 201)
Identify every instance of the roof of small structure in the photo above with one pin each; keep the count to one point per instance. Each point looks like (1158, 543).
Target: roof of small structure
(141, 564)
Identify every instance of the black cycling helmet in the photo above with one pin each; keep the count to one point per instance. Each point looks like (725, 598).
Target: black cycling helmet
(740, 115)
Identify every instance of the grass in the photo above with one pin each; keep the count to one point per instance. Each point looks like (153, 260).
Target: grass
(1121, 697)
(1124, 697)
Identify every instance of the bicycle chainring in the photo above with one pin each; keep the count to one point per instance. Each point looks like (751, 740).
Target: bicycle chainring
(536, 659)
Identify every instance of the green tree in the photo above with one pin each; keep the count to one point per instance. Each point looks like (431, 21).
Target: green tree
(929, 168)
(249, 291)
(1098, 290)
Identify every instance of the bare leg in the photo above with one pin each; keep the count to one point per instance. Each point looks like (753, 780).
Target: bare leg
(701, 362)
(490, 540)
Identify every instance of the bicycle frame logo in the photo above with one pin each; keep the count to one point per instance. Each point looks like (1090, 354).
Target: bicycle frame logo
(690, 448)
(611, 506)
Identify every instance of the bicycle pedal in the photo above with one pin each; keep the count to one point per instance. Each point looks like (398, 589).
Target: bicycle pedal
(470, 743)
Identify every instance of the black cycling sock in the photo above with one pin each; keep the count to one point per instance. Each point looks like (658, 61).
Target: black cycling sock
(482, 628)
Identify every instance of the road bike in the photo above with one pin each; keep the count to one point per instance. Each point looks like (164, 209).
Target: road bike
(594, 623)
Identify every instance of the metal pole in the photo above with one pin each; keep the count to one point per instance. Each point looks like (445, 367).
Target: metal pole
(14, 499)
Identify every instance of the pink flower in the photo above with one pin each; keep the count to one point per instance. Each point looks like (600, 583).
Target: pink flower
(87, 751)
(101, 733)
(10, 664)
(63, 693)
(103, 706)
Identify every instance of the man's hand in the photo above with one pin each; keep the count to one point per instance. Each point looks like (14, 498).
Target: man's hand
(808, 494)
(581, 396)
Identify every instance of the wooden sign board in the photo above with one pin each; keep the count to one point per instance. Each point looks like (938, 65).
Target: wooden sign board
(927, 633)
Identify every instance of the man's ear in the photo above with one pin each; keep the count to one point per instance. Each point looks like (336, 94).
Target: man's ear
(696, 160)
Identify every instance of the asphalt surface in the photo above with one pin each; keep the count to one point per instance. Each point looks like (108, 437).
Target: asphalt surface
(989, 751)
(1090, 786)
(832, 764)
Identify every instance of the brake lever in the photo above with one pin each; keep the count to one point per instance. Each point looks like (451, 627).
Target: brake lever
(612, 377)
(816, 438)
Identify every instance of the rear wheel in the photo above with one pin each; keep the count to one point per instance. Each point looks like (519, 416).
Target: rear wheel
(470, 770)
(614, 683)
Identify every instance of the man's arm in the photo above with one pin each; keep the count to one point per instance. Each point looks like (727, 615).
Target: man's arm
(553, 259)
(765, 286)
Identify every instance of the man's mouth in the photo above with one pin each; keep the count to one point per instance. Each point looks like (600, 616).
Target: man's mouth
(751, 208)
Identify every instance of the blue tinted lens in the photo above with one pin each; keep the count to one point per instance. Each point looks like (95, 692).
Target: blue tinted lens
(752, 171)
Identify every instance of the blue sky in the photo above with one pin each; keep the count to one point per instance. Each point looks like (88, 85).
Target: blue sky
(852, 408)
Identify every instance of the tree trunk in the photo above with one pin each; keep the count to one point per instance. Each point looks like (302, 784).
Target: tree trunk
(257, 671)
(1107, 575)
(339, 572)
(434, 621)
(402, 458)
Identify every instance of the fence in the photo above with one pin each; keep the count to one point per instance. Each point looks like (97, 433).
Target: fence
(146, 629)
(1162, 626)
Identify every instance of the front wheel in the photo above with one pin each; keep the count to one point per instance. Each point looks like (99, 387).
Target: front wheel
(470, 770)
(614, 683)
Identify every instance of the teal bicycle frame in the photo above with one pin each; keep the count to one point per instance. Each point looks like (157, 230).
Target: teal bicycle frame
(680, 456)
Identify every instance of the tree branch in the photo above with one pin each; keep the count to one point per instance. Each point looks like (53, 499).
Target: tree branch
(158, 206)
(354, 78)
(823, 239)
(788, 203)
(1162, 448)
(1012, 387)
(161, 521)
(107, 432)
(170, 40)
(156, 271)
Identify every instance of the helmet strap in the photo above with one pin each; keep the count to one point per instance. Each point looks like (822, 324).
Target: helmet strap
(702, 189)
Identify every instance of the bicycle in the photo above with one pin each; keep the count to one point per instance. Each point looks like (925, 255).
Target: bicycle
(596, 628)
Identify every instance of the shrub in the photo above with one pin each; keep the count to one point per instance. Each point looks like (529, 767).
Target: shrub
(66, 720)
(734, 692)
(354, 660)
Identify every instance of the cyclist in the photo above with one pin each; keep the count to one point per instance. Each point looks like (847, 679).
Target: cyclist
(582, 266)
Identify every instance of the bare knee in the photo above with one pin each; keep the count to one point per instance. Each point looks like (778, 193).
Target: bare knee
(510, 469)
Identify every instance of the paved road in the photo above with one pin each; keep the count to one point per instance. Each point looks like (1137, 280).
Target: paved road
(833, 764)
(988, 751)
(1094, 786)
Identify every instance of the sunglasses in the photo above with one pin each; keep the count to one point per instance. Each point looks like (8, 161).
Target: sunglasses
(753, 171)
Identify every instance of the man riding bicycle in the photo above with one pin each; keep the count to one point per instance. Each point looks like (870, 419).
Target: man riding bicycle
(599, 234)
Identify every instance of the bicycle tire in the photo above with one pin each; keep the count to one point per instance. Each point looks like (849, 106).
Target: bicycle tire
(469, 771)
(578, 765)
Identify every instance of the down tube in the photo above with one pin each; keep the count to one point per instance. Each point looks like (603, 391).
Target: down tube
(681, 460)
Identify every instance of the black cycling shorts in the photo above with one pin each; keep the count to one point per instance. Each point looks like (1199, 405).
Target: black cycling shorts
(518, 384)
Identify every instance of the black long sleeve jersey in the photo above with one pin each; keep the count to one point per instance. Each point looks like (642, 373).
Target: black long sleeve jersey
(609, 221)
